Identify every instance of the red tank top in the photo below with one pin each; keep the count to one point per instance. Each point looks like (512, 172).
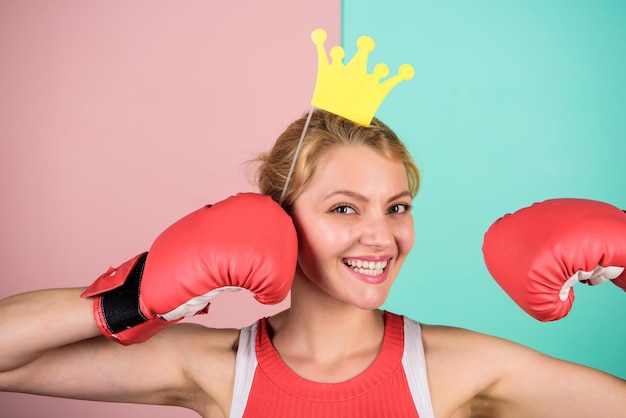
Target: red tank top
(379, 391)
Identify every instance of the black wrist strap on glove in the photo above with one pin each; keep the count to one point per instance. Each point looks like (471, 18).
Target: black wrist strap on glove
(120, 306)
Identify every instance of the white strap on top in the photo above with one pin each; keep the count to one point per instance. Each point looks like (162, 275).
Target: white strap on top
(414, 363)
(245, 366)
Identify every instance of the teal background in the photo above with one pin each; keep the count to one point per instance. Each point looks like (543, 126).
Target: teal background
(512, 102)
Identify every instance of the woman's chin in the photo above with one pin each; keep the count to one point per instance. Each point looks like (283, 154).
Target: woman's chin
(371, 302)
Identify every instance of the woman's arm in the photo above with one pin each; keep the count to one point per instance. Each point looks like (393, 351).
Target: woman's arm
(475, 375)
(49, 341)
(32, 323)
(536, 385)
(50, 345)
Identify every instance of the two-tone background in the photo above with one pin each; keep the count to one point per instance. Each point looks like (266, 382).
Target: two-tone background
(119, 117)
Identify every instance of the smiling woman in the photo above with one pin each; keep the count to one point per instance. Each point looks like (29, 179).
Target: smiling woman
(335, 231)
(350, 197)
(333, 353)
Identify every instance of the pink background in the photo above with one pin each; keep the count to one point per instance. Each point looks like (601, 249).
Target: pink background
(119, 117)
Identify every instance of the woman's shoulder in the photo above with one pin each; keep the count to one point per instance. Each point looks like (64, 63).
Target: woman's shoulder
(467, 346)
(467, 360)
(451, 339)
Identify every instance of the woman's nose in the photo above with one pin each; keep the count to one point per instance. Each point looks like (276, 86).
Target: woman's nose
(376, 232)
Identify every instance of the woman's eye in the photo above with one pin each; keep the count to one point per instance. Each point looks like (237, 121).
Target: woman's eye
(399, 208)
(343, 210)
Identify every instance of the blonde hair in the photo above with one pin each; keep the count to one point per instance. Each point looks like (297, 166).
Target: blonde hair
(325, 131)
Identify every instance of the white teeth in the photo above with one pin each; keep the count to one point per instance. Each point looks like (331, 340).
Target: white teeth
(371, 268)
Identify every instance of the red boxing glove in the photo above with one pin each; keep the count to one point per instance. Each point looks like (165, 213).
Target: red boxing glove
(538, 253)
(246, 241)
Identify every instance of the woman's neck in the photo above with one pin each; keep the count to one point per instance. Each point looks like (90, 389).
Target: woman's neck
(324, 339)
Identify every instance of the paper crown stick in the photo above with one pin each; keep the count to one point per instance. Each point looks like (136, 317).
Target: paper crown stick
(348, 90)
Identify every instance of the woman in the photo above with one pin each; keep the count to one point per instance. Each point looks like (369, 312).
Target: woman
(333, 353)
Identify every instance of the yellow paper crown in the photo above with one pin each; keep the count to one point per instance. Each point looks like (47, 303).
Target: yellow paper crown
(348, 90)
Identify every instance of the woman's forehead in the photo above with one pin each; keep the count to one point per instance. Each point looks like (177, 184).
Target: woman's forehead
(358, 167)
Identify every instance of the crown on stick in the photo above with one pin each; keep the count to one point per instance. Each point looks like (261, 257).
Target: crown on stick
(348, 90)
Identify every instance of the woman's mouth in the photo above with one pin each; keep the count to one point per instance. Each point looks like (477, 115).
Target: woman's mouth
(370, 268)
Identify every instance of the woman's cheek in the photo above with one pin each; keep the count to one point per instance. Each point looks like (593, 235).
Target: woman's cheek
(406, 237)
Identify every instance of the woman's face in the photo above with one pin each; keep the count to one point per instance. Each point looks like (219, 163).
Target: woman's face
(355, 225)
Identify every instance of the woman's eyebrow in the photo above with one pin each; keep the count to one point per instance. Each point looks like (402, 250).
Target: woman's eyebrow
(359, 196)
(405, 193)
(348, 193)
